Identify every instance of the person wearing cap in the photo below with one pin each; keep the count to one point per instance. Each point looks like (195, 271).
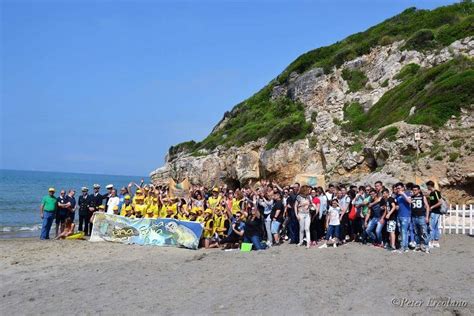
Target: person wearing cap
(138, 194)
(128, 211)
(48, 213)
(85, 203)
(116, 210)
(127, 203)
(214, 200)
(153, 207)
(110, 188)
(139, 204)
(96, 198)
(112, 201)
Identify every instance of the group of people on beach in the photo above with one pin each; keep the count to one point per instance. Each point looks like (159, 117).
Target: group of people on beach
(265, 214)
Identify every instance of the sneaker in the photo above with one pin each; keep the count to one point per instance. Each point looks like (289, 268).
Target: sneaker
(427, 250)
(406, 250)
(436, 245)
(323, 246)
(412, 244)
(308, 246)
(334, 245)
(300, 244)
(395, 251)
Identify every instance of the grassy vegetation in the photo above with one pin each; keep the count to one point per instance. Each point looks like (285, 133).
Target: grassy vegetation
(279, 120)
(384, 84)
(390, 133)
(436, 150)
(421, 28)
(457, 143)
(356, 79)
(357, 147)
(437, 93)
(313, 142)
(407, 71)
(453, 156)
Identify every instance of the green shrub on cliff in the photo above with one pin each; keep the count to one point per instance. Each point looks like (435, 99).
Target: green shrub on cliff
(436, 93)
(421, 28)
(355, 78)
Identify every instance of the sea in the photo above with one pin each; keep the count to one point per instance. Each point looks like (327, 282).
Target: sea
(21, 193)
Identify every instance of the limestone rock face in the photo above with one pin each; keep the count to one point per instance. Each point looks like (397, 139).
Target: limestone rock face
(445, 154)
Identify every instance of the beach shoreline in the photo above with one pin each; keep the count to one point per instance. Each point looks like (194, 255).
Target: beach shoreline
(81, 277)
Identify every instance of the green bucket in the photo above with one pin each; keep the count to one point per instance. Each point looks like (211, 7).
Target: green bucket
(246, 247)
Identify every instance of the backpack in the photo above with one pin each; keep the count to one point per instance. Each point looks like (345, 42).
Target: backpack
(444, 208)
(353, 213)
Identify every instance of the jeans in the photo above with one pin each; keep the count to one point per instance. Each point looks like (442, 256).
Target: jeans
(375, 223)
(411, 231)
(48, 219)
(421, 230)
(256, 241)
(434, 226)
(305, 223)
(333, 231)
(403, 224)
(293, 227)
(268, 229)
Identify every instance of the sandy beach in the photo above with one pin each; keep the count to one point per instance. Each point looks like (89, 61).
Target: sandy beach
(80, 277)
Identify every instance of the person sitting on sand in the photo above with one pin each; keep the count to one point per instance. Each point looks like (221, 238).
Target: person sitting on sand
(236, 233)
(68, 229)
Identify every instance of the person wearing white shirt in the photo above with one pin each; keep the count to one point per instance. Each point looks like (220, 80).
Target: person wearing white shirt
(114, 200)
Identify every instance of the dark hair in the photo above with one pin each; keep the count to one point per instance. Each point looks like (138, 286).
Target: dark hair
(385, 190)
(416, 186)
(409, 185)
(399, 184)
(331, 185)
(379, 182)
(373, 191)
(430, 183)
(361, 188)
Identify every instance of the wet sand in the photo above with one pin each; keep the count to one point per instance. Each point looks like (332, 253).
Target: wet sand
(80, 277)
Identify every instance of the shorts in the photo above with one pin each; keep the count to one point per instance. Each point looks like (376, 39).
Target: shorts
(61, 216)
(391, 226)
(275, 227)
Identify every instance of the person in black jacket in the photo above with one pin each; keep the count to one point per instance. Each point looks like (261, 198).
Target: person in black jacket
(96, 201)
(84, 203)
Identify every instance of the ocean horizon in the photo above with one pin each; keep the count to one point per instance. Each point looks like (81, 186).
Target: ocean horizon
(21, 192)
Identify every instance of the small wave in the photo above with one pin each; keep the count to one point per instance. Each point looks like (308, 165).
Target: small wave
(26, 228)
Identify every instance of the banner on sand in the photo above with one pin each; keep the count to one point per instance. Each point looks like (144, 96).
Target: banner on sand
(314, 180)
(179, 190)
(146, 231)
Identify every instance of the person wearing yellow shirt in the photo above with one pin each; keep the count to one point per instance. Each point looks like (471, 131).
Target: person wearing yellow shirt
(149, 213)
(208, 231)
(169, 209)
(214, 200)
(138, 195)
(127, 202)
(221, 225)
(140, 206)
(128, 211)
(153, 207)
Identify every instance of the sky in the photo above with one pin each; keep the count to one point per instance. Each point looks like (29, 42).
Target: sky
(108, 86)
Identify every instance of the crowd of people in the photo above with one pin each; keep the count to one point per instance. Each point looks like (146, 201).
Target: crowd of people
(266, 214)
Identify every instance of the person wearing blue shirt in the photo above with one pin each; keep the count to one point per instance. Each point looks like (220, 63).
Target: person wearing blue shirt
(404, 214)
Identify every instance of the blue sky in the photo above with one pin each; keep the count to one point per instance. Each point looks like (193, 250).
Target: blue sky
(109, 86)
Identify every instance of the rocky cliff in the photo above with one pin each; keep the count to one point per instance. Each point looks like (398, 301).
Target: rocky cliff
(333, 147)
